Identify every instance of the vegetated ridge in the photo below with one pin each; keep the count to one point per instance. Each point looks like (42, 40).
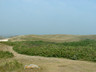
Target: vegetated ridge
(1, 37)
(52, 38)
(46, 64)
(81, 50)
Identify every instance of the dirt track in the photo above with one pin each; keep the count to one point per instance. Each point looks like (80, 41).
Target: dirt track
(3, 40)
(54, 64)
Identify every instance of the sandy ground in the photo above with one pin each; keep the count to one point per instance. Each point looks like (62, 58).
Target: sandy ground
(4, 40)
(53, 64)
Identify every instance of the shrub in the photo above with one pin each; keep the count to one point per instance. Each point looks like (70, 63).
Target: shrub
(10, 66)
(5, 54)
(81, 50)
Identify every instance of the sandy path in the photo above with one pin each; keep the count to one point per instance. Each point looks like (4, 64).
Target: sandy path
(54, 64)
(4, 40)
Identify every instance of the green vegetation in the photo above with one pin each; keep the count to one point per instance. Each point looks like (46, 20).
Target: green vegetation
(10, 66)
(52, 38)
(5, 54)
(81, 50)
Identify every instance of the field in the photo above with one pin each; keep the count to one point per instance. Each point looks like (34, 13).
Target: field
(9, 62)
(51, 54)
(5, 54)
(1, 37)
(59, 38)
(82, 50)
(6, 64)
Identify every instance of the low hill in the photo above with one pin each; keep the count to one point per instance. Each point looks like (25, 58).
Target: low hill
(1, 37)
(52, 38)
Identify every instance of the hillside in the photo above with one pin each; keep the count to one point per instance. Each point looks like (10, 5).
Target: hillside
(1, 37)
(49, 56)
(46, 64)
(52, 38)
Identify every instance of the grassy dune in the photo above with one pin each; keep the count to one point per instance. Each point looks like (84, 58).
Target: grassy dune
(5, 54)
(81, 50)
(6, 62)
(73, 47)
(1, 37)
(11, 66)
(53, 38)
(78, 50)
(9, 60)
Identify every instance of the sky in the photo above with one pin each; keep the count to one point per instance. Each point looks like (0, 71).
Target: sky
(21, 17)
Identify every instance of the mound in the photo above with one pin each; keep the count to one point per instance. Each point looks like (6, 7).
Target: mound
(52, 38)
(1, 37)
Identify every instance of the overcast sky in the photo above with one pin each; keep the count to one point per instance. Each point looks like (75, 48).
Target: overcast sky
(18, 17)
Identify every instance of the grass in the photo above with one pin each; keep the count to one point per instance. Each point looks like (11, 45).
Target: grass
(52, 38)
(7, 62)
(11, 66)
(1, 37)
(82, 50)
(6, 54)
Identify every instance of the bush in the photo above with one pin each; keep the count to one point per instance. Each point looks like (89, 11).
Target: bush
(5, 54)
(10, 66)
(81, 50)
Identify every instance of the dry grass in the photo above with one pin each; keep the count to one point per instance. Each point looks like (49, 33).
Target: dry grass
(50, 64)
(10, 66)
(52, 38)
(13, 64)
(1, 37)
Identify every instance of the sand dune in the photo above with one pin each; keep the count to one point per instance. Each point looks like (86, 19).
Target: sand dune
(52, 38)
(4, 40)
